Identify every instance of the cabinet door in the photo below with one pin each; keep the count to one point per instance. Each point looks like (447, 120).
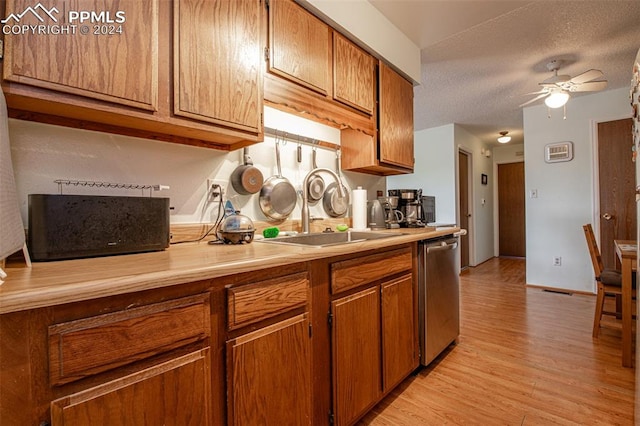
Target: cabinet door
(299, 46)
(399, 351)
(353, 75)
(94, 64)
(356, 354)
(395, 118)
(217, 60)
(176, 392)
(269, 375)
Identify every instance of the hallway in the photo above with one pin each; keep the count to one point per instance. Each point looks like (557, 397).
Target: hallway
(524, 357)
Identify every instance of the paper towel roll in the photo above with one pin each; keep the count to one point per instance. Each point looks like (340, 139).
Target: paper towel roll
(359, 209)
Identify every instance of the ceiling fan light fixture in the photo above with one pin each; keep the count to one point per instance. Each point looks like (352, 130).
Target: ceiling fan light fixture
(504, 138)
(557, 99)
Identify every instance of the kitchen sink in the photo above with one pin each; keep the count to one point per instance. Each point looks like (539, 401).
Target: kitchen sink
(325, 239)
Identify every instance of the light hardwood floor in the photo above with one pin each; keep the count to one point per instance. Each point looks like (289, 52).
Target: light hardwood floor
(524, 357)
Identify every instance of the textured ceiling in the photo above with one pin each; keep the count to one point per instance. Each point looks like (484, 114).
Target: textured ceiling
(480, 57)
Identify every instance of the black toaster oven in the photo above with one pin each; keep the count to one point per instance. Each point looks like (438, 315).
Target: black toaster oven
(75, 226)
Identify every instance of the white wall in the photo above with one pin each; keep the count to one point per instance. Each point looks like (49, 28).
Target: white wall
(434, 170)
(507, 153)
(362, 20)
(481, 224)
(42, 153)
(565, 190)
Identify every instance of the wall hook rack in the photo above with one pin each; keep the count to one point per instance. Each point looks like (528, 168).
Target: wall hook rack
(299, 139)
(111, 185)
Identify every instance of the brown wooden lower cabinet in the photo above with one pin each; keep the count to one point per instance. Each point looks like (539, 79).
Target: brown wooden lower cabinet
(374, 335)
(356, 354)
(374, 345)
(176, 392)
(269, 375)
(247, 349)
(400, 349)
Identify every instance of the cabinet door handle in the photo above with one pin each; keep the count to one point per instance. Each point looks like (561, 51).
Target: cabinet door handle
(607, 216)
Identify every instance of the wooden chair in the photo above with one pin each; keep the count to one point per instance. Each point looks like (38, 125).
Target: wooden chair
(609, 280)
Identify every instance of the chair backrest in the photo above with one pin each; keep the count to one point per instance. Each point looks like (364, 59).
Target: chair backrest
(594, 252)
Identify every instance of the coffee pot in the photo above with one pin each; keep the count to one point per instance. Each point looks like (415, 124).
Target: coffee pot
(413, 214)
(393, 216)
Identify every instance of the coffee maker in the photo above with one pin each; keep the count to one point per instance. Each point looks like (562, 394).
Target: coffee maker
(393, 216)
(410, 205)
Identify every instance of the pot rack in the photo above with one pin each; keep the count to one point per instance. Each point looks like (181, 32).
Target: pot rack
(93, 184)
(299, 139)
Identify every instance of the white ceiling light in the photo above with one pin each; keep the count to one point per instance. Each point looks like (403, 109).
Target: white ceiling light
(557, 99)
(504, 138)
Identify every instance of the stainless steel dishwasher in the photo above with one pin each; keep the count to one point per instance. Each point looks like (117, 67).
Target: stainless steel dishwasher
(438, 295)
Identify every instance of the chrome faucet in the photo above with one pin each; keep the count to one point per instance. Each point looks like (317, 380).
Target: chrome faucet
(305, 194)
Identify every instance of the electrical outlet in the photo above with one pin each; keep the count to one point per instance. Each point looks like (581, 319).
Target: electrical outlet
(211, 193)
(557, 261)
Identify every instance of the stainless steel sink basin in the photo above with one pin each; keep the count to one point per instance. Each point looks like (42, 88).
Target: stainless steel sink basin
(329, 238)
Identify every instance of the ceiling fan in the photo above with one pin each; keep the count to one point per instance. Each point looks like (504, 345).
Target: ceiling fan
(557, 89)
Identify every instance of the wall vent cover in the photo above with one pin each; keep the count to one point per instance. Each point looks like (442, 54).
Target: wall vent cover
(557, 152)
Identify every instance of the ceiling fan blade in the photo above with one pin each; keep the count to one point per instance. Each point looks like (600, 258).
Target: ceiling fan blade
(534, 99)
(586, 76)
(537, 93)
(591, 86)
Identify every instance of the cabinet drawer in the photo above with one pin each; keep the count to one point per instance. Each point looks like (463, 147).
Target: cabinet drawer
(147, 397)
(254, 302)
(92, 345)
(353, 273)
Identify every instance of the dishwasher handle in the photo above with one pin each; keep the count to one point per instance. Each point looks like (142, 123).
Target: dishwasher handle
(443, 245)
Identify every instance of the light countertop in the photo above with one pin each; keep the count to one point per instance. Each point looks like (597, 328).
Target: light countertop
(53, 283)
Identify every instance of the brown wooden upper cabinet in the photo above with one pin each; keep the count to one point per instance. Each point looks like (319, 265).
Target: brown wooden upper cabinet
(392, 151)
(184, 71)
(299, 46)
(217, 60)
(92, 65)
(315, 72)
(395, 118)
(354, 75)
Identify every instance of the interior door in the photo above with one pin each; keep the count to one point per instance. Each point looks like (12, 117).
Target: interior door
(465, 214)
(511, 209)
(617, 187)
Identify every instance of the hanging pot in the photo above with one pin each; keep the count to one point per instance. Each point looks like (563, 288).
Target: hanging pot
(278, 196)
(315, 188)
(333, 203)
(246, 179)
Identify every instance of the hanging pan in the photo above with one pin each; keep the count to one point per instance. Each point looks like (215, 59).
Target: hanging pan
(277, 196)
(246, 179)
(333, 203)
(315, 189)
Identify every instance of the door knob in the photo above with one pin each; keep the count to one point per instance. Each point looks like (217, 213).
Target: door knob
(607, 216)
